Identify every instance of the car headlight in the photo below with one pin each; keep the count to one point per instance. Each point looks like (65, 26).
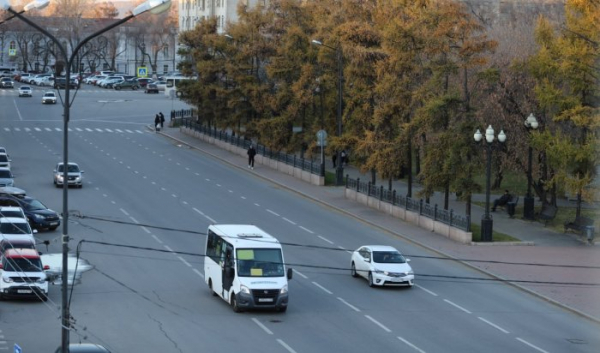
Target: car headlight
(59, 177)
(39, 217)
(379, 271)
(244, 289)
(284, 289)
(409, 273)
(7, 279)
(41, 280)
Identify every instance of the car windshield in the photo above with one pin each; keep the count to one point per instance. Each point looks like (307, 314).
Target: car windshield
(388, 257)
(17, 245)
(71, 169)
(3, 158)
(260, 263)
(35, 205)
(11, 213)
(23, 265)
(15, 228)
(5, 174)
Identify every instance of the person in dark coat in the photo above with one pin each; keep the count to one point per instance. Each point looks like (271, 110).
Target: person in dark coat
(162, 120)
(502, 201)
(251, 154)
(157, 123)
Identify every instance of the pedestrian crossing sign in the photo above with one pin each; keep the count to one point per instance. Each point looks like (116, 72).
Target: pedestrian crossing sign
(12, 52)
(142, 71)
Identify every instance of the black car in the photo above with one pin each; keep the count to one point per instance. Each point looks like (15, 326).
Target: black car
(38, 215)
(151, 88)
(61, 82)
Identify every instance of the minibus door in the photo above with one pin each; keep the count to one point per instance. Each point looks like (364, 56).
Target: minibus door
(228, 271)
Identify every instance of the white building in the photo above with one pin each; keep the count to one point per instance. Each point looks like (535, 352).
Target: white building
(193, 11)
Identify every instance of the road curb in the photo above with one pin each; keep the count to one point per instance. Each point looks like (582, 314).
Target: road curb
(392, 232)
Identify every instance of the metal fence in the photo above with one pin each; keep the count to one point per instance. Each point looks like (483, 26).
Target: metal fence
(410, 204)
(290, 159)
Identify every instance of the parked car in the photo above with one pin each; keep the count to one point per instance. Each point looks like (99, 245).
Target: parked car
(6, 177)
(16, 226)
(38, 215)
(35, 80)
(74, 174)
(6, 244)
(131, 84)
(6, 82)
(61, 82)
(23, 77)
(382, 265)
(144, 81)
(23, 274)
(47, 81)
(161, 85)
(151, 88)
(3, 150)
(25, 91)
(109, 82)
(98, 79)
(12, 211)
(49, 97)
(89, 79)
(84, 348)
(5, 160)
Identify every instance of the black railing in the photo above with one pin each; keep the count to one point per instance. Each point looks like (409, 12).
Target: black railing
(410, 204)
(290, 159)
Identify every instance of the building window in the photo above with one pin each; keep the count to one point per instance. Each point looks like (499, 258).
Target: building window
(165, 69)
(165, 51)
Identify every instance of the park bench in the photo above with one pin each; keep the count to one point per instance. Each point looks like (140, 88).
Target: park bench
(547, 213)
(511, 206)
(583, 225)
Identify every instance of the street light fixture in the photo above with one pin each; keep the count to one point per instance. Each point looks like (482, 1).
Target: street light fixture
(339, 170)
(487, 223)
(155, 6)
(531, 123)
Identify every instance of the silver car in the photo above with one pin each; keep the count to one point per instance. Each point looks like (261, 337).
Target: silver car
(6, 177)
(74, 174)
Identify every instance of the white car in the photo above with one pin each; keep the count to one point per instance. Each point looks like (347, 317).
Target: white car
(25, 91)
(12, 211)
(23, 274)
(47, 81)
(35, 80)
(49, 97)
(74, 174)
(16, 227)
(382, 265)
(5, 160)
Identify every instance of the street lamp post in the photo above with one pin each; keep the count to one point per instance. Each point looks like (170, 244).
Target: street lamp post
(487, 223)
(156, 6)
(339, 170)
(531, 123)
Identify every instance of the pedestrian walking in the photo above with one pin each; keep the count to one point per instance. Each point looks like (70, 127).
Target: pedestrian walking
(162, 120)
(251, 154)
(344, 156)
(157, 123)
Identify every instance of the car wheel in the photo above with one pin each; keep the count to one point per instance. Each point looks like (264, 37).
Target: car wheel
(214, 294)
(371, 284)
(353, 271)
(234, 304)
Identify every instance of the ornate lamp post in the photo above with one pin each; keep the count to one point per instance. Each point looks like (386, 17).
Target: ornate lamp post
(531, 123)
(339, 170)
(487, 223)
(156, 6)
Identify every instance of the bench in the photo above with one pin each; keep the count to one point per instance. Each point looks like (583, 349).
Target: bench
(511, 205)
(547, 213)
(583, 225)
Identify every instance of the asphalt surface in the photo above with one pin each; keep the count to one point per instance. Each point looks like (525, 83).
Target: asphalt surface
(563, 269)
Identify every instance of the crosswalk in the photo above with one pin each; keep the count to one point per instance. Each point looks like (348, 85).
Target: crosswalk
(75, 129)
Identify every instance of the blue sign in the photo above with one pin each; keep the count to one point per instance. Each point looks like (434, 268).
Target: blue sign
(17, 349)
(142, 71)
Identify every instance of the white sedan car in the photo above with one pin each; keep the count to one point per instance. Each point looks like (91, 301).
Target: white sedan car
(382, 265)
(25, 91)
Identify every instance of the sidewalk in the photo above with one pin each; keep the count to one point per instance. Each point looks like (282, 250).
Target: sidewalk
(549, 247)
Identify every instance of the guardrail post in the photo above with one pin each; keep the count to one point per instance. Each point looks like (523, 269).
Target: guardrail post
(451, 217)
(393, 197)
(294, 161)
(421, 206)
(435, 212)
(369, 188)
(357, 184)
(380, 192)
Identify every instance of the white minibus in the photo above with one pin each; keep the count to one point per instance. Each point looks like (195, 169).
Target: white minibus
(244, 265)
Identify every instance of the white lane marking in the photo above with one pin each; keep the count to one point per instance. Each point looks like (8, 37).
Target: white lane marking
(286, 346)
(255, 204)
(139, 132)
(197, 174)
(207, 179)
(153, 183)
(163, 189)
(300, 274)
(325, 239)
(157, 239)
(134, 220)
(210, 219)
(197, 210)
(262, 326)
(274, 213)
(492, 324)
(342, 248)
(350, 305)
(99, 130)
(230, 191)
(186, 168)
(57, 129)
(198, 273)
(219, 185)
(18, 129)
(17, 109)
(168, 248)
(287, 220)
(109, 130)
(410, 344)
(243, 197)
(125, 212)
(323, 288)
(426, 290)
(183, 260)
(531, 345)
(457, 306)
(88, 129)
(129, 131)
(48, 129)
(145, 230)
(37, 129)
(308, 230)
(184, 202)
(173, 195)
(378, 323)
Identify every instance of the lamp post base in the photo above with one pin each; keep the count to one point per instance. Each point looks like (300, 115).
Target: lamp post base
(487, 225)
(339, 176)
(528, 211)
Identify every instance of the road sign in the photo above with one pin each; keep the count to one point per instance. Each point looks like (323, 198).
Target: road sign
(321, 138)
(18, 349)
(142, 71)
(12, 52)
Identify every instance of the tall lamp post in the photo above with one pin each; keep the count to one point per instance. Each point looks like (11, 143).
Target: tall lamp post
(487, 223)
(531, 123)
(339, 170)
(156, 6)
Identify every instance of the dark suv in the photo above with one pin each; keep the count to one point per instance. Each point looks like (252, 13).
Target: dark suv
(61, 82)
(38, 215)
